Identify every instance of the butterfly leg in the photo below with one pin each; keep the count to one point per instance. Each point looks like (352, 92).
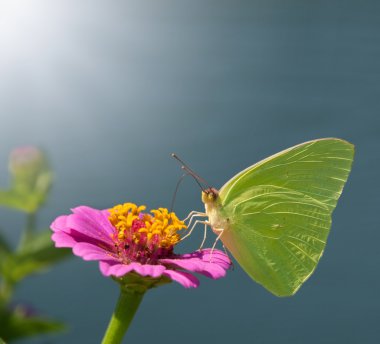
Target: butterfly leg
(216, 240)
(204, 237)
(192, 214)
(190, 222)
(192, 228)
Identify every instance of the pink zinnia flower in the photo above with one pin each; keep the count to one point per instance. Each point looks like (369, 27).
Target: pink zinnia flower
(124, 239)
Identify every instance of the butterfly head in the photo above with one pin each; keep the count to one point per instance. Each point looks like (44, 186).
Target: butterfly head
(210, 195)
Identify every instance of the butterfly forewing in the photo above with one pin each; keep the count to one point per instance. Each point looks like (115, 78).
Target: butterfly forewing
(280, 209)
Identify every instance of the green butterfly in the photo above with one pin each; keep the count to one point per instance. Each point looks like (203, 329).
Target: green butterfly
(275, 216)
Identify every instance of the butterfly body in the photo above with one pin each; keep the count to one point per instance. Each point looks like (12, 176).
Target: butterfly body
(275, 216)
(218, 222)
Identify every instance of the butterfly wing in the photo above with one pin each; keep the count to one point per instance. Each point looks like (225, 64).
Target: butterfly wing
(279, 212)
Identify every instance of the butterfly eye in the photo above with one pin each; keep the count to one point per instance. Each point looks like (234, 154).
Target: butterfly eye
(209, 195)
(212, 194)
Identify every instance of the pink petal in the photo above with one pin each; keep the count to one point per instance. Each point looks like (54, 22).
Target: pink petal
(213, 266)
(106, 213)
(197, 265)
(62, 239)
(97, 217)
(149, 270)
(59, 224)
(90, 252)
(217, 257)
(89, 227)
(119, 270)
(184, 278)
(105, 265)
(80, 237)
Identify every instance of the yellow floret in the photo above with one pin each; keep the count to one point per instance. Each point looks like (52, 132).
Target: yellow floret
(162, 224)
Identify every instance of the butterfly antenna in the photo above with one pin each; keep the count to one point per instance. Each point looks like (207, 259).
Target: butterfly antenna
(176, 190)
(189, 171)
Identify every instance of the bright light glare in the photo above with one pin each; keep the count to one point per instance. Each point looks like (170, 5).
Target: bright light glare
(33, 34)
(55, 53)
(24, 30)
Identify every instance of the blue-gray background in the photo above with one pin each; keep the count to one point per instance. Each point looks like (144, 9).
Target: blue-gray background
(111, 88)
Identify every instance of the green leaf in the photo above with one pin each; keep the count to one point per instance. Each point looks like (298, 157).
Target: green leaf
(5, 252)
(37, 254)
(19, 324)
(2, 341)
(26, 202)
(31, 179)
(4, 246)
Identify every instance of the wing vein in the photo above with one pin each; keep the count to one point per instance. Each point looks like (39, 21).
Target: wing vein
(301, 250)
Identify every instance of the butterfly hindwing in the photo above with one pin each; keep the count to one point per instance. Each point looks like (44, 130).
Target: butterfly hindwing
(279, 212)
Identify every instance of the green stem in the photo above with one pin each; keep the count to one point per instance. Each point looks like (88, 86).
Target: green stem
(126, 307)
(30, 228)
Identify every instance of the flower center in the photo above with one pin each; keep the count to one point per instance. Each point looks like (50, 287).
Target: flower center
(142, 236)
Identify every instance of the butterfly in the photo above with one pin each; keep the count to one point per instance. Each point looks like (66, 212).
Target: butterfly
(275, 216)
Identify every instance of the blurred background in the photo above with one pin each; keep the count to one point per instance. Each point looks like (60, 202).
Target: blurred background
(110, 89)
